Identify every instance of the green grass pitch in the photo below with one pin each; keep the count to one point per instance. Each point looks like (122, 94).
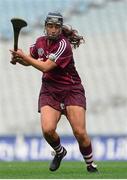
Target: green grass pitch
(67, 170)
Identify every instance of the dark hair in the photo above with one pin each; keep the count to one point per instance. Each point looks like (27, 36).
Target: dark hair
(72, 35)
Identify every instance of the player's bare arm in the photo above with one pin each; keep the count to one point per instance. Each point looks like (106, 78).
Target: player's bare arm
(40, 65)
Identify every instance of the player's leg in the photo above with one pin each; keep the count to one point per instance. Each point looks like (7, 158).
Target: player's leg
(77, 119)
(49, 120)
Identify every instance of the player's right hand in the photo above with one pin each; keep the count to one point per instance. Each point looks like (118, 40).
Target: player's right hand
(14, 59)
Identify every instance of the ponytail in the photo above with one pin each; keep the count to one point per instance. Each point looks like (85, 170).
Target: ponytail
(72, 36)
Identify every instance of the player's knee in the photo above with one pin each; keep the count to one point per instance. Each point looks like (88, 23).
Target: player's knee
(81, 136)
(48, 132)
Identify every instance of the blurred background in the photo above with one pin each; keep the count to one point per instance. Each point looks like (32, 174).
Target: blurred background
(101, 63)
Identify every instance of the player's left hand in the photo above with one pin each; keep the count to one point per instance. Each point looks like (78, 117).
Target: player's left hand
(18, 53)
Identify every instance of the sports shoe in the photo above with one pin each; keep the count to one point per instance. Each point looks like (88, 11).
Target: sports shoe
(92, 168)
(55, 164)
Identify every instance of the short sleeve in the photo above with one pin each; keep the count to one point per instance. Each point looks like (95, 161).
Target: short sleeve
(62, 53)
(33, 51)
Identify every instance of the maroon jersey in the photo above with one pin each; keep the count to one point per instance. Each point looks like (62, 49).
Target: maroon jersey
(65, 72)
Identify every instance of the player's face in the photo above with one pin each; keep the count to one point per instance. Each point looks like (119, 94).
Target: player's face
(53, 30)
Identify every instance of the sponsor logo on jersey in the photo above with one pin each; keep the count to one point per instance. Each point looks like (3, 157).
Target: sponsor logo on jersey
(40, 52)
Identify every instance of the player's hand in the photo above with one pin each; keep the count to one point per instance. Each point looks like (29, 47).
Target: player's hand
(16, 56)
(13, 59)
(18, 53)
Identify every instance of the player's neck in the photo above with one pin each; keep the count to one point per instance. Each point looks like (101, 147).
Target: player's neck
(49, 42)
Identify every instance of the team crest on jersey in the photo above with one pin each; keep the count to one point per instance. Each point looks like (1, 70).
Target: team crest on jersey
(40, 52)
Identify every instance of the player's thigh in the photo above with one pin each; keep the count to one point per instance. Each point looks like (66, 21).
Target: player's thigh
(77, 118)
(49, 117)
